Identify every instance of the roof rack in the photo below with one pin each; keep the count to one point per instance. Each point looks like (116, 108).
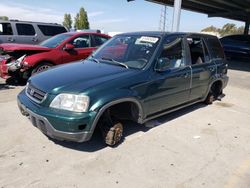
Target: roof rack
(15, 20)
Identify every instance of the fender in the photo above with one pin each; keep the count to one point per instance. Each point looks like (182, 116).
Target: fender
(101, 109)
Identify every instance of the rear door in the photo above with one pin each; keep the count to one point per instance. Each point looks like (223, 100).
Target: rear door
(202, 67)
(82, 50)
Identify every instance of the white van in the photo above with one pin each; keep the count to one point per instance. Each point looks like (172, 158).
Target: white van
(15, 31)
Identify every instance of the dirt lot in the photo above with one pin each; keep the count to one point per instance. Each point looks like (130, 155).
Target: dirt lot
(199, 146)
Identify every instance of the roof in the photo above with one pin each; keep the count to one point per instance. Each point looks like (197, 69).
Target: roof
(21, 21)
(84, 32)
(162, 33)
(233, 9)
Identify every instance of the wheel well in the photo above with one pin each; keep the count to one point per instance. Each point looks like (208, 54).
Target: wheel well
(216, 88)
(122, 111)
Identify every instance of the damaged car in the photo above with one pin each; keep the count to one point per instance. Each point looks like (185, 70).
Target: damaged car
(20, 61)
(133, 77)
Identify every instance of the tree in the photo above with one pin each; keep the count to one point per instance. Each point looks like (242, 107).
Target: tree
(76, 24)
(4, 18)
(227, 29)
(210, 29)
(81, 20)
(67, 21)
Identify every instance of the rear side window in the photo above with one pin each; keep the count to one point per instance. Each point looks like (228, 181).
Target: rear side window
(99, 40)
(198, 50)
(215, 48)
(25, 29)
(49, 30)
(5, 29)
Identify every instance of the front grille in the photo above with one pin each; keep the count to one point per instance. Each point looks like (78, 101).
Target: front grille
(35, 94)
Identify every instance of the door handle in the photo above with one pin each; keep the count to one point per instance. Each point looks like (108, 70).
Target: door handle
(10, 39)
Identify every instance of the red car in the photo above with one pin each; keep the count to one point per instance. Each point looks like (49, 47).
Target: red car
(23, 60)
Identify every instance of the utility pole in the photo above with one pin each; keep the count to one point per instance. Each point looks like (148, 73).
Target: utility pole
(176, 15)
(162, 23)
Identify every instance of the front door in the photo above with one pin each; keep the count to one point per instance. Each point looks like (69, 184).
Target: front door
(26, 34)
(82, 49)
(6, 33)
(169, 88)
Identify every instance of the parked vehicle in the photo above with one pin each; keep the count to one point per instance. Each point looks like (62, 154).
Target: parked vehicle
(134, 76)
(23, 60)
(236, 46)
(25, 32)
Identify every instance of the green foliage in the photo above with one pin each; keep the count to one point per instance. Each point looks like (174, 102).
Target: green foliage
(67, 21)
(81, 20)
(210, 29)
(4, 18)
(227, 29)
(76, 21)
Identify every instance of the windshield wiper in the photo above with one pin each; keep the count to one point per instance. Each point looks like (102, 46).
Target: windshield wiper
(93, 59)
(114, 61)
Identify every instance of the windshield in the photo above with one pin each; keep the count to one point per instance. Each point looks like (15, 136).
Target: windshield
(133, 51)
(53, 42)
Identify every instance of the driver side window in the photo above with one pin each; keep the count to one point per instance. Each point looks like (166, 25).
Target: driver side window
(81, 41)
(173, 50)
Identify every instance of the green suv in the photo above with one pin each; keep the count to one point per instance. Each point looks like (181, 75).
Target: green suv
(134, 76)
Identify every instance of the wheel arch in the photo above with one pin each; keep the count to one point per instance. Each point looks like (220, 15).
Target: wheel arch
(116, 102)
(215, 81)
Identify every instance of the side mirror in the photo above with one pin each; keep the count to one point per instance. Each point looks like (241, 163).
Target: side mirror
(68, 47)
(162, 64)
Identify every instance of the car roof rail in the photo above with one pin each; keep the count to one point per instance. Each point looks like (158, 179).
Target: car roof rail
(15, 20)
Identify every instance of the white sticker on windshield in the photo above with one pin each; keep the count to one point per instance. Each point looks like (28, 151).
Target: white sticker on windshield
(148, 39)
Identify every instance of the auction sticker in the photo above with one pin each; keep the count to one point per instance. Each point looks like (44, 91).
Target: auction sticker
(148, 39)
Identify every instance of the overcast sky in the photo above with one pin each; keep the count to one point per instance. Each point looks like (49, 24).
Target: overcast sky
(107, 15)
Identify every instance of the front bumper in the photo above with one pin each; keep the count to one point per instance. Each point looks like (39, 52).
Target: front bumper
(3, 69)
(44, 122)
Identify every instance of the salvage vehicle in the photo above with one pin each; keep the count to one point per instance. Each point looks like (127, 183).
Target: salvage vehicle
(236, 46)
(134, 76)
(23, 60)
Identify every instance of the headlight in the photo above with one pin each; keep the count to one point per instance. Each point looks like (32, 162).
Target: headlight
(71, 102)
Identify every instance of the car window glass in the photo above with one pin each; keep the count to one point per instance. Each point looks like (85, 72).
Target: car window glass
(48, 30)
(5, 29)
(173, 50)
(25, 29)
(99, 40)
(81, 41)
(134, 51)
(215, 48)
(206, 54)
(55, 40)
(196, 50)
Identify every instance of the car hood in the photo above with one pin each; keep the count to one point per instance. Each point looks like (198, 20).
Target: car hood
(8, 47)
(77, 77)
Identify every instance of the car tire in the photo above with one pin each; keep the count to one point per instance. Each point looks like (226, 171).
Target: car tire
(41, 67)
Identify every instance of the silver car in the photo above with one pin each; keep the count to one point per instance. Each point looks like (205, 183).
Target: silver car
(25, 32)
